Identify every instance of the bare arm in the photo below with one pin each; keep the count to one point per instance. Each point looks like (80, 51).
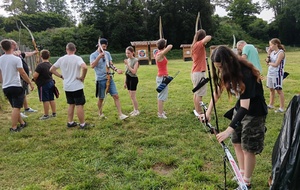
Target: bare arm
(96, 61)
(25, 77)
(35, 75)
(278, 60)
(53, 70)
(160, 55)
(83, 72)
(206, 39)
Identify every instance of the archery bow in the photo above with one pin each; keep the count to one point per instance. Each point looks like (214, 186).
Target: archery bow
(108, 76)
(33, 42)
(233, 44)
(161, 34)
(198, 21)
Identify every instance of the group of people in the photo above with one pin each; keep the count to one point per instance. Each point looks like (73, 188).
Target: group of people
(241, 76)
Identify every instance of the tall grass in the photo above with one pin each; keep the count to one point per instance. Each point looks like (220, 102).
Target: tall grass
(142, 152)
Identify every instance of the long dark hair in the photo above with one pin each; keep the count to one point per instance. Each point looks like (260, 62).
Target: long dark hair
(199, 35)
(231, 76)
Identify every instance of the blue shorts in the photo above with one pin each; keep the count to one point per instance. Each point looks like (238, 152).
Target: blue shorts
(101, 87)
(76, 97)
(46, 92)
(15, 96)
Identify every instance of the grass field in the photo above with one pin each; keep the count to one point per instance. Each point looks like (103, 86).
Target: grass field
(142, 152)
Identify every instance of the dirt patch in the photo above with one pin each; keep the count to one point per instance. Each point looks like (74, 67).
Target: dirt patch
(163, 169)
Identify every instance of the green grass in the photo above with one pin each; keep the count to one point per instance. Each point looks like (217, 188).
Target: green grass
(142, 152)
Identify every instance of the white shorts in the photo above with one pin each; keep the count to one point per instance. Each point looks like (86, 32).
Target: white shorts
(275, 82)
(163, 95)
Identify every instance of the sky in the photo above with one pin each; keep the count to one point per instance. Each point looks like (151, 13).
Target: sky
(266, 15)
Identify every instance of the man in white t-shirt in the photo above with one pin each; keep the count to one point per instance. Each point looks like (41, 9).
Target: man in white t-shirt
(10, 70)
(71, 65)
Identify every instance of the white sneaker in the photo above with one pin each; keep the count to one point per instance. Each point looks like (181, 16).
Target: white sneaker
(163, 116)
(135, 113)
(30, 110)
(102, 116)
(131, 112)
(122, 117)
(23, 115)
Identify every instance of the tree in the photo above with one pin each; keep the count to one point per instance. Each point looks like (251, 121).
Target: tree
(15, 7)
(242, 12)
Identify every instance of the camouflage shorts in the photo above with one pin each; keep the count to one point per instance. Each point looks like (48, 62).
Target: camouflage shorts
(251, 134)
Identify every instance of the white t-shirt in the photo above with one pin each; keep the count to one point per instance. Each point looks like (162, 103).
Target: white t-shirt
(9, 65)
(70, 66)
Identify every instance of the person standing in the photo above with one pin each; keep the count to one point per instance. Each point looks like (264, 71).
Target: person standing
(249, 52)
(276, 62)
(101, 62)
(73, 72)
(45, 83)
(247, 128)
(199, 65)
(23, 55)
(161, 63)
(11, 69)
(131, 80)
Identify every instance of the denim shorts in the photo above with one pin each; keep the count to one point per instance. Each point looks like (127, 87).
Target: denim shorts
(101, 85)
(251, 134)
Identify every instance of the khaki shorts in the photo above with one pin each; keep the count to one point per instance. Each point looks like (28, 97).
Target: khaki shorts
(196, 77)
(251, 134)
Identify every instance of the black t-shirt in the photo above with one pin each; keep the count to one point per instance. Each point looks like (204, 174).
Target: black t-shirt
(25, 66)
(254, 91)
(44, 74)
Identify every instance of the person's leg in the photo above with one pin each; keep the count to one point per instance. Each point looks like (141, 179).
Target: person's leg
(133, 99)
(272, 97)
(53, 106)
(25, 103)
(160, 106)
(239, 155)
(117, 103)
(80, 114)
(71, 113)
(15, 118)
(281, 98)
(197, 100)
(99, 104)
(46, 105)
(249, 164)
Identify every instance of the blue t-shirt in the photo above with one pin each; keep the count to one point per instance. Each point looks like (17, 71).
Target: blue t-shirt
(100, 69)
(252, 56)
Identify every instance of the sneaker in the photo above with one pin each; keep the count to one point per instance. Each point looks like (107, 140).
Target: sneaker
(135, 113)
(22, 126)
(18, 129)
(53, 115)
(123, 116)
(270, 107)
(23, 115)
(85, 126)
(280, 110)
(74, 124)
(30, 110)
(44, 117)
(163, 116)
(248, 187)
(131, 112)
(102, 116)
